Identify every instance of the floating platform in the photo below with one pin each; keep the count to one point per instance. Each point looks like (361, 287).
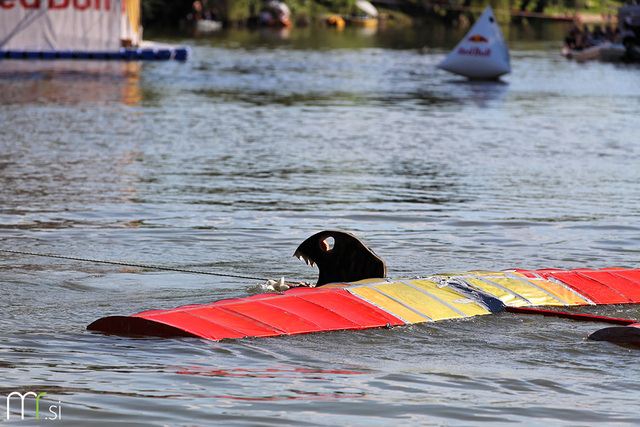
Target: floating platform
(148, 51)
(374, 303)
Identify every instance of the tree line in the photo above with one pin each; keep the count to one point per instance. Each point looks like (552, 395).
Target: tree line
(169, 13)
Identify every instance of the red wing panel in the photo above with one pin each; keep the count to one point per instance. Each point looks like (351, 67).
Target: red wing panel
(358, 311)
(250, 298)
(320, 316)
(130, 325)
(190, 322)
(631, 275)
(606, 286)
(596, 291)
(216, 303)
(619, 281)
(274, 314)
(221, 320)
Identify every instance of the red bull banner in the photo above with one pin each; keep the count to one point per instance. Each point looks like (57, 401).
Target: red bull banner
(58, 25)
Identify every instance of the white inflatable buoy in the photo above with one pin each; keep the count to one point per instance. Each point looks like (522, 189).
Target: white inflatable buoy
(482, 54)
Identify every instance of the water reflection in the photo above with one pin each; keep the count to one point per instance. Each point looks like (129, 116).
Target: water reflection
(266, 372)
(275, 33)
(434, 35)
(481, 93)
(69, 82)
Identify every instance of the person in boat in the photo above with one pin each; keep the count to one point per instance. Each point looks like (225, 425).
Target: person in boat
(609, 34)
(196, 13)
(597, 35)
(275, 14)
(212, 14)
(587, 40)
(573, 41)
(570, 40)
(579, 39)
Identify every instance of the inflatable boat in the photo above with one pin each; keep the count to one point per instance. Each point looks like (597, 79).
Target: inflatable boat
(379, 302)
(605, 51)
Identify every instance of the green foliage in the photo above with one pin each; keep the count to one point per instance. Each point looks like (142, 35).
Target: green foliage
(158, 13)
(168, 13)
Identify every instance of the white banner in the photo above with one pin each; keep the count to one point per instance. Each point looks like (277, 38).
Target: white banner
(58, 25)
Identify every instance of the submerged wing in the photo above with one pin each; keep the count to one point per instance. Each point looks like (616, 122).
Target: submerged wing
(375, 303)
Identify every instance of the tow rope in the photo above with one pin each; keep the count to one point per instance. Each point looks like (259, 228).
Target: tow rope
(128, 264)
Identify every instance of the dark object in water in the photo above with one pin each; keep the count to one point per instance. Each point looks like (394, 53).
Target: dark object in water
(340, 257)
(629, 334)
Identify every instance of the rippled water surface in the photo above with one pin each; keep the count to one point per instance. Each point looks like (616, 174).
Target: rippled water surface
(227, 162)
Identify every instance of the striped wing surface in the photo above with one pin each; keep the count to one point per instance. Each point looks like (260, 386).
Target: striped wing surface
(373, 303)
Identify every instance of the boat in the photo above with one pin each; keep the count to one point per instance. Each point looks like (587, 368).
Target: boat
(604, 51)
(375, 302)
(208, 26)
(335, 21)
(275, 14)
(629, 22)
(482, 54)
(92, 29)
(366, 17)
(608, 46)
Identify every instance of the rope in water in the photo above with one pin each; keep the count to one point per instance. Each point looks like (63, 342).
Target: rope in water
(128, 264)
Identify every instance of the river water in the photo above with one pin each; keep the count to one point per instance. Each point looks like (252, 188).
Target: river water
(227, 162)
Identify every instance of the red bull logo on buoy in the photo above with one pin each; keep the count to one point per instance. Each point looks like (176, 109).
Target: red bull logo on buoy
(474, 51)
(477, 38)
